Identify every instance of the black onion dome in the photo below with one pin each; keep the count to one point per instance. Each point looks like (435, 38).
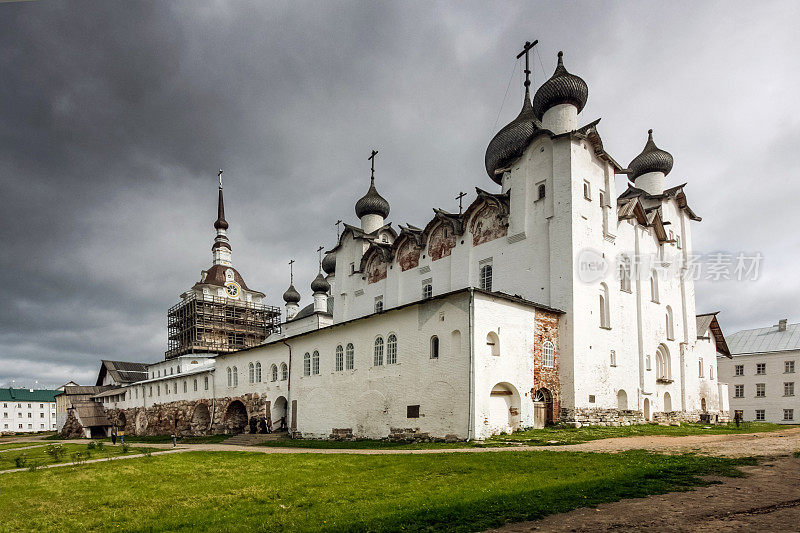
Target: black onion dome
(652, 159)
(320, 285)
(511, 141)
(329, 264)
(372, 203)
(561, 88)
(291, 296)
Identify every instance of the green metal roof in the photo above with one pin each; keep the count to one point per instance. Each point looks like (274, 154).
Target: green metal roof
(28, 395)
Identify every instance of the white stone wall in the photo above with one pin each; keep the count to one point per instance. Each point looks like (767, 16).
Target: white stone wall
(27, 416)
(774, 401)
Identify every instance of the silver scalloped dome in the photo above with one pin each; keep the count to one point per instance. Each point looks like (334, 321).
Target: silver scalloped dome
(372, 203)
(561, 88)
(291, 296)
(511, 141)
(320, 285)
(652, 159)
(329, 264)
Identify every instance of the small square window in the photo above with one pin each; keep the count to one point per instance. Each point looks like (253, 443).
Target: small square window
(412, 411)
(761, 390)
(788, 414)
(788, 367)
(760, 414)
(761, 368)
(738, 391)
(788, 388)
(591, 398)
(739, 370)
(541, 191)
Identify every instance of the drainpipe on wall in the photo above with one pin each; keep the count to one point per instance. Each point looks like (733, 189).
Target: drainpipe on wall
(289, 392)
(213, 398)
(471, 419)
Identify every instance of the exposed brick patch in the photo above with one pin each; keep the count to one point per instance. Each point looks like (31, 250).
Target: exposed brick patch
(546, 329)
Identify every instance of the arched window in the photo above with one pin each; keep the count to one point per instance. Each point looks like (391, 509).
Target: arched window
(391, 349)
(230, 378)
(622, 400)
(605, 320)
(670, 326)
(205, 382)
(613, 358)
(315, 363)
(663, 364)
(235, 377)
(493, 342)
(548, 354)
(258, 372)
(654, 286)
(185, 387)
(339, 358)
(195, 384)
(486, 277)
(274, 372)
(427, 290)
(349, 357)
(647, 363)
(625, 274)
(284, 372)
(700, 367)
(252, 373)
(307, 364)
(541, 191)
(377, 359)
(434, 347)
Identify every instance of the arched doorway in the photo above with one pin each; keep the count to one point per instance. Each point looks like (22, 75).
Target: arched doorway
(140, 424)
(201, 419)
(646, 406)
(667, 403)
(622, 400)
(504, 406)
(542, 408)
(235, 419)
(279, 414)
(122, 421)
(703, 404)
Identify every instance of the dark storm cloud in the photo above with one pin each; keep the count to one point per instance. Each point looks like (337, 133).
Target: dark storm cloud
(114, 117)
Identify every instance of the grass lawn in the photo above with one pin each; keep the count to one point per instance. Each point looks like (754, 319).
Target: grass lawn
(560, 436)
(235, 491)
(166, 439)
(365, 444)
(12, 445)
(40, 457)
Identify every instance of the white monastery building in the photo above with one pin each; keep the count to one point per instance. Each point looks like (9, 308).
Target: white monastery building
(761, 375)
(27, 410)
(551, 297)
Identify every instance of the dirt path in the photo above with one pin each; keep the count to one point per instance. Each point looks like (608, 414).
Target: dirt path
(767, 499)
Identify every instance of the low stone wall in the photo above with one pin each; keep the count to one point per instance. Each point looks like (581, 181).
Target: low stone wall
(614, 417)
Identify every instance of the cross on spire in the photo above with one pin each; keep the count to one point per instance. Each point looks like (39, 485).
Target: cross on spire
(319, 252)
(525, 49)
(291, 272)
(372, 158)
(460, 197)
(219, 175)
(338, 223)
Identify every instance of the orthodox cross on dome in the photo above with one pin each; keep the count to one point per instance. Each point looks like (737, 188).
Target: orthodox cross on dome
(219, 175)
(372, 159)
(525, 49)
(338, 223)
(460, 196)
(291, 272)
(319, 252)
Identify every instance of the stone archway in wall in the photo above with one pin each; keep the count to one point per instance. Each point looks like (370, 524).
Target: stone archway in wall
(667, 403)
(622, 400)
(278, 413)
(646, 409)
(235, 419)
(121, 421)
(201, 419)
(140, 423)
(543, 414)
(504, 409)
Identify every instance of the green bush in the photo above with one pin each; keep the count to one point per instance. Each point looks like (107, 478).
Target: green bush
(33, 467)
(91, 445)
(100, 446)
(21, 461)
(125, 448)
(56, 451)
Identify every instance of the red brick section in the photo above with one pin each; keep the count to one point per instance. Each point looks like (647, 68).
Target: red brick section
(487, 226)
(546, 328)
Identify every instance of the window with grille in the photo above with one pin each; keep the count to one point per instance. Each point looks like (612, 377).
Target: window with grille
(205, 383)
(377, 359)
(739, 370)
(306, 364)
(258, 372)
(427, 290)
(788, 414)
(761, 390)
(548, 354)
(434, 347)
(252, 372)
(761, 414)
(349, 357)
(339, 358)
(788, 388)
(486, 277)
(738, 391)
(194, 385)
(235, 377)
(230, 377)
(761, 368)
(315, 363)
(391, 349)
(379, 304)
(284, 372)
(788, 367)
(274, 372)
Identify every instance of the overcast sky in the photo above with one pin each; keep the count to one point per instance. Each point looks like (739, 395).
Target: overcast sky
(115, 116)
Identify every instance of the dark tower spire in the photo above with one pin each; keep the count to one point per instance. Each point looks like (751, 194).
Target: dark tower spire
(220, 223)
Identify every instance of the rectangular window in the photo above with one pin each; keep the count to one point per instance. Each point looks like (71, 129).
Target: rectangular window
(587, 190)
(485, 274)
(412, 411)
(427, 288)
(788, 414)
(352, 268)
(788, 388)
(738, 391)
(541, 191)
(761, 390)
(760, 414)
(378, 304)
(739, 370)
(761, 368)
(788, 367)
